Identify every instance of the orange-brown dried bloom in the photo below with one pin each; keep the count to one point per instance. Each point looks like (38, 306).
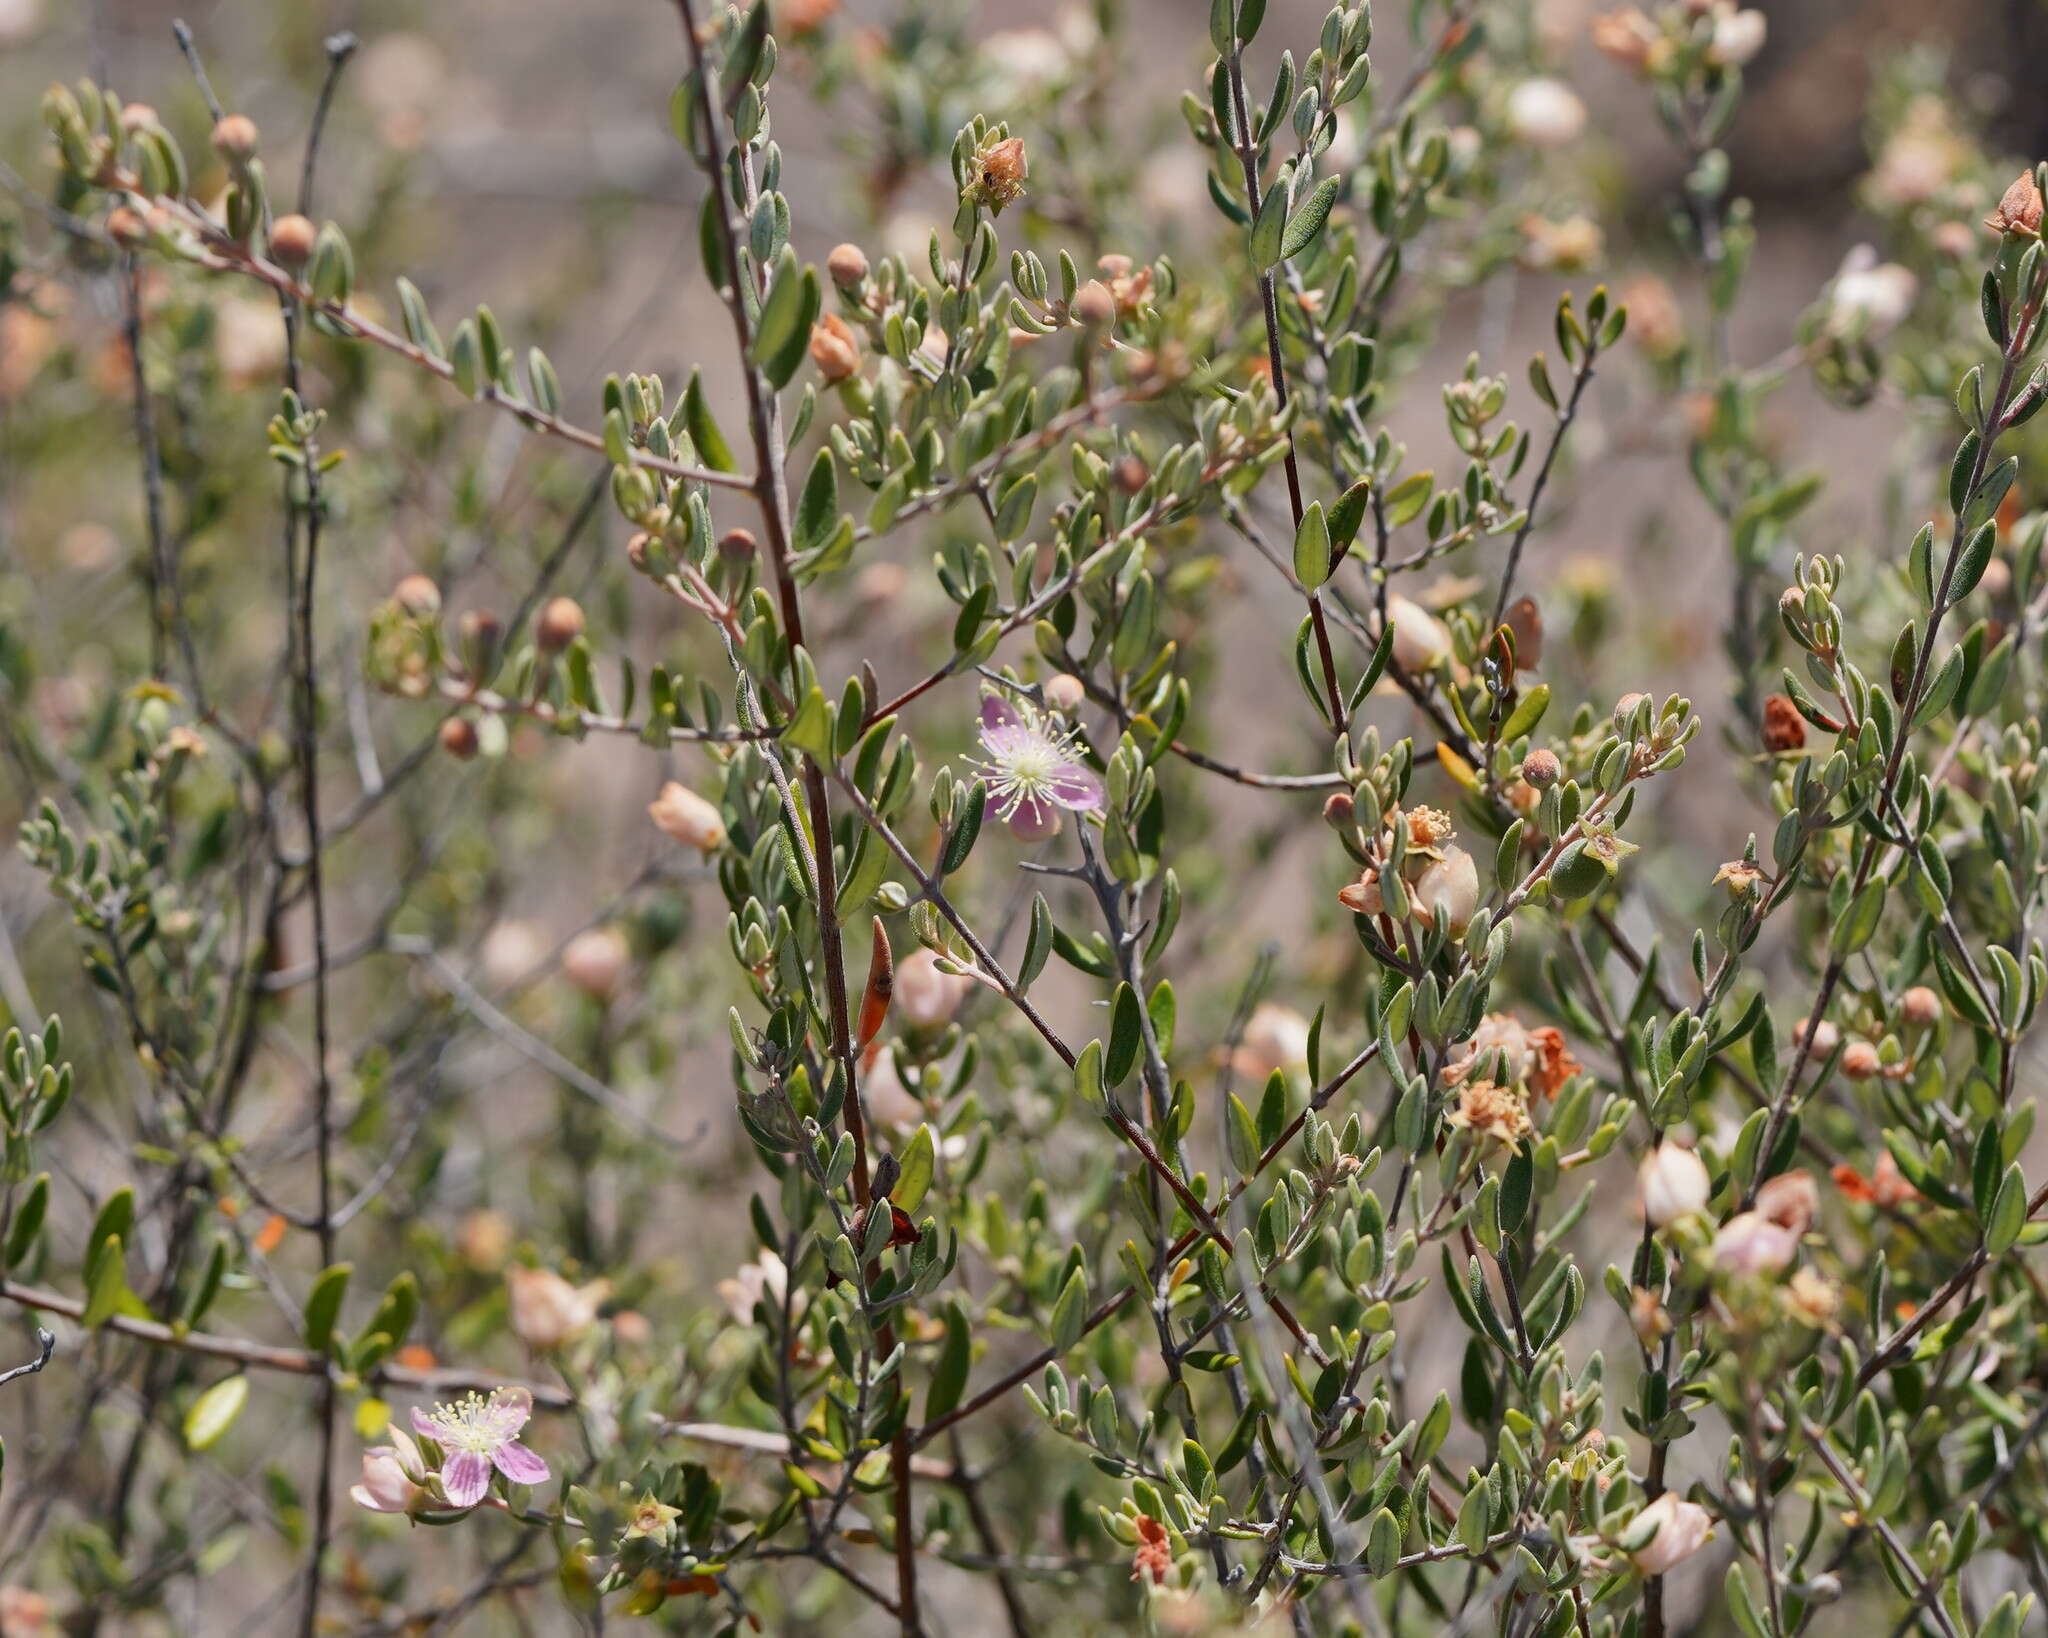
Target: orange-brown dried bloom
(2019, 207)
(1551, 1063)
(1492, 1110)
(999, 173)
(834, 348)
(1154, 1554)
(1784, 728)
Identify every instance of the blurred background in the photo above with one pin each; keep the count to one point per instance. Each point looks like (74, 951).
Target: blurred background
(518, 153)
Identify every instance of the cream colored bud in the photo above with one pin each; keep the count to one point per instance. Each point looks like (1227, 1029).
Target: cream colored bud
(418, 596)
(547, 1311)
(1094, 306)
(235, 138)
(683, 814)
(1859, 1061)
(1421, 640)
(1750, 1243)
(1672, 1183)
(1738, 36)
(1450, 884)
(559, 625)
(1065, 692)
(291, 241)
(1920, 1007)
(848, 265)
(925, 997)
(595, 961)
(1545, 113)
(1791, 1200)
(1682, 1529)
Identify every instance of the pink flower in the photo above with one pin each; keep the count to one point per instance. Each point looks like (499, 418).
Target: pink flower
(1033, 769)
(393, 1477)
(477, 1434)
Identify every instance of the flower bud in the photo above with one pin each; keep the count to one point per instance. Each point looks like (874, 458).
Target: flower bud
(418, 596)
(1791, 1200)
(390, 1474)
(847, 265)
(1065, 692)
(1340, 810)
(1094, 306)
(1920, 1007)
(459, 738)
(477, 636)
(1826, 1037)
(1131, 474)
(926, 997)
(235, 138)
(1672, 1183)
(595, 960)
(1682, 1529)
(2019, 208)
(1859, 1061)
(559, 625)
(1452, 884)
(1545, 113)
(1421, 642)
(683, 814)
(1750, 1243)
(834, 349)
(1738, 36)
(1275, 1037)
(291, 241)
(127, 228)
(547, 1311)
(1541, 768)
(736, 546)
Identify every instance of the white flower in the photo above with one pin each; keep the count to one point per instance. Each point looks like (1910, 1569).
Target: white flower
(1738, 36)
(1545, 113)
(1870, 298)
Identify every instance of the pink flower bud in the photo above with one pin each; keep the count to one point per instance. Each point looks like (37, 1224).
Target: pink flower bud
(595, 960)
(926, 997)
(547, 1310)
(1673, 1183)
(1682, 1529)
(683, 814)
(1421, 641)
(1451, 883)
(1750, 1243)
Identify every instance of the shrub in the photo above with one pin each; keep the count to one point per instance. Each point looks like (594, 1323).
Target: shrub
(1573, 1218)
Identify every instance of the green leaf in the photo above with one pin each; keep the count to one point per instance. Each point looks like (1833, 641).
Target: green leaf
(1126, 1035)
(949, 1371)
(1308, 219)
(323, 1305)
(1271, 225)
(214, 1412)
(916, 1174)
(2008, 1214)
(1070, 1312)
(1312, 548)
(817, 508)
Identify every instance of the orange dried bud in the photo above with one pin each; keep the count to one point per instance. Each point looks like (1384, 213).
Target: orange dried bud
(459, 738)
(2019, 207)
(834, 348)
(874, 1001)
(291, 241)
(1784, 728)
(1153, 1558)
(271, 1235)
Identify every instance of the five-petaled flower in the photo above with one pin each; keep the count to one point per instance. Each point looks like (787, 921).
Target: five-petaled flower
(1033, 769)
(476, 1434)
